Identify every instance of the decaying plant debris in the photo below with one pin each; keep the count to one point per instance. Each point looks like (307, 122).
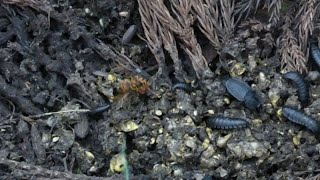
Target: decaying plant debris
(217, 19)
(79, 99)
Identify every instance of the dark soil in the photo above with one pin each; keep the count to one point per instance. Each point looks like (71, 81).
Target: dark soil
(54, 62)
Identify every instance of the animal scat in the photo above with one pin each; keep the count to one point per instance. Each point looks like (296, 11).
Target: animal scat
(303, 89)
(243, 92)
(299, 117)
(315, 52)
(221, 122)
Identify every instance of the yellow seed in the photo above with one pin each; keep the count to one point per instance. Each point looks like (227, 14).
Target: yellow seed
(117, 163)
(222, 141)
(89, 155)
(279, 113)
(238, 69)
(226, 100)
(257, 122)
(205, 143)
(128, 126)
(55, 139)
(209, 132)
(112, 78)
(274, 99)
(153, 140)
(296, 139)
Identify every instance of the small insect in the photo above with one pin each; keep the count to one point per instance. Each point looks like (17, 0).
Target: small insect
(128, 35)
(303, 90)
(136, 84)
(243, 92)
(99, 109)
(182, 86)
(299, 117)
(221, 122)
(315, 52)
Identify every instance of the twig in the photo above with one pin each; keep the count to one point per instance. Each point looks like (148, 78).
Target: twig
(292, 57)
(305, 23)
(206, 23)
(183, 28)
(170, 46)
(60, 112)
(31, 3)
(244, 7)
(151, 30)
(274, 6)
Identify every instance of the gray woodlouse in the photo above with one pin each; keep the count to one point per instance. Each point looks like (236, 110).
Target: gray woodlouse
(221, 122)
(128, 35)
(99, 109)
(315, 52)
(299, 117)
(243, 92)
(182, 86)
(252, 100)
(303, 89)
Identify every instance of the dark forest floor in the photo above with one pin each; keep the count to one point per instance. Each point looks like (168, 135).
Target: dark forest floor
(57, 65)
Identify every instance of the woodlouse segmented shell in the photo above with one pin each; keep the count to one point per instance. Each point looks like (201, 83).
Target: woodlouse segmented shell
(128, 35)
(100, 109)
(315, 53)
(237, 88)
(303, 89)
(220, 122)
(243, 92)
(183, 86)
(299, 117)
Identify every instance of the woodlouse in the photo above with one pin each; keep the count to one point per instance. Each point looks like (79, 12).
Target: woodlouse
(251, 100)
(237, 88)
(99, 109)
(128, 35)
(243, 92)
(299, 117)
(182, 86)
(303, 89)
(221, 122)
(315, 53)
